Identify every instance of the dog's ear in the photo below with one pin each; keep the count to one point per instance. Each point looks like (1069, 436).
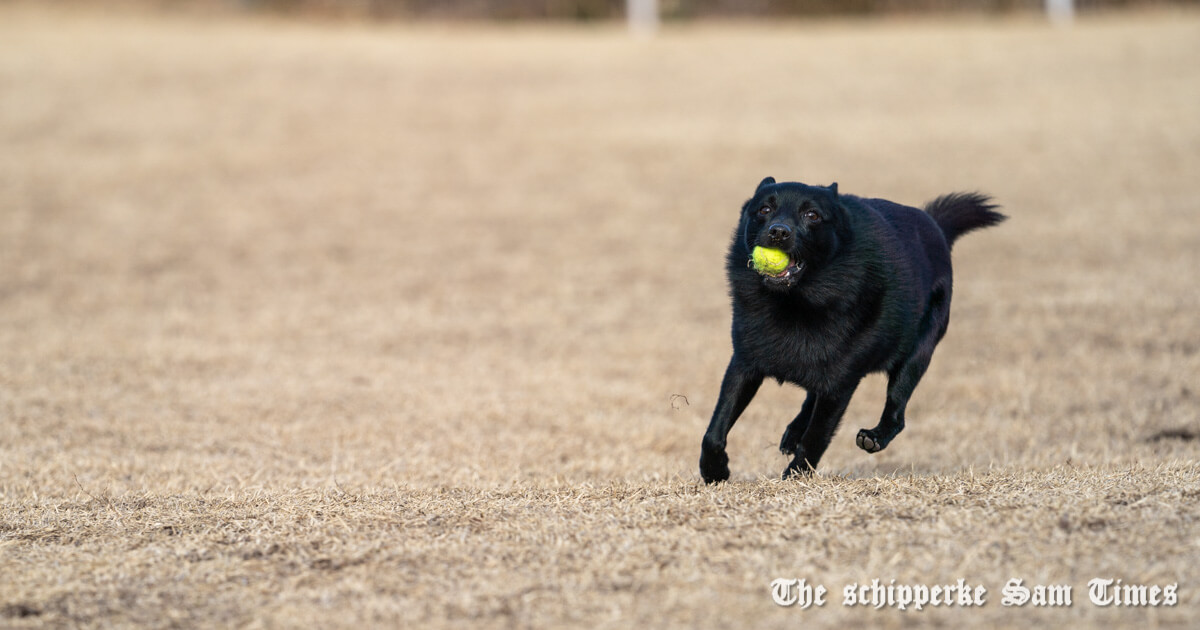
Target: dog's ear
(833, 190)
(765, 182)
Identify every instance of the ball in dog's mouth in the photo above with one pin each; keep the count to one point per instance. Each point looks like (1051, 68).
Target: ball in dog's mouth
(786, 278)
(776, 267)
(769, 261)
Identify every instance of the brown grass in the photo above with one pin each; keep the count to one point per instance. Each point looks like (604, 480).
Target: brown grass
(358, 325)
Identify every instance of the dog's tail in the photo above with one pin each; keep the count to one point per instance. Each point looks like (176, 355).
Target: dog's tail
(959, 213)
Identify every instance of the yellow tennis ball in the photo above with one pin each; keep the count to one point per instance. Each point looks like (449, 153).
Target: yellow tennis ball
(769, 261)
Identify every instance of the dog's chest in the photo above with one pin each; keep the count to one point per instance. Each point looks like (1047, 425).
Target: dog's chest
(814, 353)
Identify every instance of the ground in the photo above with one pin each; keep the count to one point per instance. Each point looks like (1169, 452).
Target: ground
(333, 325)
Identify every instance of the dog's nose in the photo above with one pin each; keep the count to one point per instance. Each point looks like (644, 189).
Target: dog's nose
(779, 232)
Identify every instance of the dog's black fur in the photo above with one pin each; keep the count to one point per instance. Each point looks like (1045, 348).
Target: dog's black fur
(867, 290)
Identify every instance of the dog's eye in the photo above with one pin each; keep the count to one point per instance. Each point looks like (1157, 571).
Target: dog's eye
(812, 216)
(764, 211)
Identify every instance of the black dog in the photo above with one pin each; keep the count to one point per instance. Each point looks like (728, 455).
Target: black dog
(866, 289)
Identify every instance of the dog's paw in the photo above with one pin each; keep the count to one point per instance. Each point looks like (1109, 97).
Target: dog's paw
(798, 470)
(869, 441)
(714, 466)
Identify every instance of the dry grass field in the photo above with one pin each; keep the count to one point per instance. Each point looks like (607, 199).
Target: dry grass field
(345, 325)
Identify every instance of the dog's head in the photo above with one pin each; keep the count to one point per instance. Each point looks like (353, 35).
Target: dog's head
(802, 221)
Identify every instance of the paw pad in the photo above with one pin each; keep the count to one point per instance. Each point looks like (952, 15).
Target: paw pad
(867, 442)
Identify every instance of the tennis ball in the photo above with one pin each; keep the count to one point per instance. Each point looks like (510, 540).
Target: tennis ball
(769, 261)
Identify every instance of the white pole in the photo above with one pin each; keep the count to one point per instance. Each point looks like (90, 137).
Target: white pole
(642, 16)
(1060, 11)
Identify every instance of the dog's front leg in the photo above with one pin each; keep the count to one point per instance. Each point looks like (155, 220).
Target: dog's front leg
(737, 389)
(827, 411)
(795, 431)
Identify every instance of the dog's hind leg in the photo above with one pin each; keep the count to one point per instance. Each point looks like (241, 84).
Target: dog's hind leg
(900, 388)
(827, 410)
(903, 379)
(737, 390)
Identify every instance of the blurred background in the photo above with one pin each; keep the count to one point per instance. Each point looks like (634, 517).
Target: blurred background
(667, 9)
